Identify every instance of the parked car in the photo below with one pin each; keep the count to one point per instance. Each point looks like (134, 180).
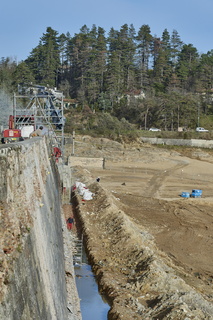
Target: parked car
(154, 129)
(200, 129)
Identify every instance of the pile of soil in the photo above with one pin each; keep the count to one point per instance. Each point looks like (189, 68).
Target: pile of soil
(150, 248)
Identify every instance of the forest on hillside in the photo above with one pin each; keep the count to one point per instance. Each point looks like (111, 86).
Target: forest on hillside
(132, 75)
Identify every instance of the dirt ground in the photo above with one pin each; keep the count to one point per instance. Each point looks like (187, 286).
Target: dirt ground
(145, 183)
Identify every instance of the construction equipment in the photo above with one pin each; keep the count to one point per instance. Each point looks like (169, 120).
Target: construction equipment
(19, 128)
(10, 135)
(36, 106)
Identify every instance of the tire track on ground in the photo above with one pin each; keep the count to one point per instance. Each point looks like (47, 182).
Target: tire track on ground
(156, 182)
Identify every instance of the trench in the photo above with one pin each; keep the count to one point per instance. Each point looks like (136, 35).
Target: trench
(93, 304)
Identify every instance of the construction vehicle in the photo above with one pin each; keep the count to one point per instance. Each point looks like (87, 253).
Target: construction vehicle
(19, 128)
(10, 135)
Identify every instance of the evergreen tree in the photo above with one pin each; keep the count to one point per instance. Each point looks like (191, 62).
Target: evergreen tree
(51, 56)
(206, 71)
(79, 48)
(35, 63)
(112, 77)
(127, 49)
(96, 64)
(44, 60)
(62, 45)
(114, 72)
(101, 48)
(176, 46)
(7, 67)
(187, 66)
(86, 64)
(121, 60)
(162, 66)
(144, 39)
(22, 75)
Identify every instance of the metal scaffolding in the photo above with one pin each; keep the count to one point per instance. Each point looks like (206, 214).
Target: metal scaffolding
(40, 106)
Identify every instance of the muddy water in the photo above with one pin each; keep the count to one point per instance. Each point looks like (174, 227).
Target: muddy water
(93, 306)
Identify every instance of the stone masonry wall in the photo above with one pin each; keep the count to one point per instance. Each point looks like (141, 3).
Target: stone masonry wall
(32, 272)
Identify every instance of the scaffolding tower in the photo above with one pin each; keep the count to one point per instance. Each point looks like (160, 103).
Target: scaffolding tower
(40, 106)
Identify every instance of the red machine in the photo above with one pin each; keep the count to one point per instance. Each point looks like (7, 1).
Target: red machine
(11, 134)
(14, 133)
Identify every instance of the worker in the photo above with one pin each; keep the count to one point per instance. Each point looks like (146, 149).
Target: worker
(37, 132)
(56, 153)
(70, 222)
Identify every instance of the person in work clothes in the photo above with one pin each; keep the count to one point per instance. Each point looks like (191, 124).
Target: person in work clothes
(70, 222)
(37, 133)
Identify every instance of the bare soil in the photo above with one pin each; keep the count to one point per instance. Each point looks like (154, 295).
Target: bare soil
(148, 245)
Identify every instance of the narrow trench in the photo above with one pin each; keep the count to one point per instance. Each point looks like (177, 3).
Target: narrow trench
(93, 305)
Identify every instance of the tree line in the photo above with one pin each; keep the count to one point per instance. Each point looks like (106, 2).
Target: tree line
(136, 76)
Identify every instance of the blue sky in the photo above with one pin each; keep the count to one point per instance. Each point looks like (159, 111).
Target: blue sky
(22, 23)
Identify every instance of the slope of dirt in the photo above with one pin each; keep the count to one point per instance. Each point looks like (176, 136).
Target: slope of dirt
(150, 248)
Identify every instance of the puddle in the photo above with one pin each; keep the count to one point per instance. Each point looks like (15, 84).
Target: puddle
(93, 306)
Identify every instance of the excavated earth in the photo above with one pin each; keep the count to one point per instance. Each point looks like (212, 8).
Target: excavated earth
(151, 250)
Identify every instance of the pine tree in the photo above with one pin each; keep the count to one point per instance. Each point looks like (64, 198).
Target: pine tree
(78, 51)
(176, 46)
(187, 66)
(96, 64)
(51, 56)
(114, 72)
(206, 71)
(44, 60)
(144, 39)
(127, 49)
(101, 48)
(163, 64)
(62, 44)
(35, 63)
(7, 68)
(22, 75)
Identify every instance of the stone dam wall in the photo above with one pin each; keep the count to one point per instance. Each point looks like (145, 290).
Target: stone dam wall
(32, 266)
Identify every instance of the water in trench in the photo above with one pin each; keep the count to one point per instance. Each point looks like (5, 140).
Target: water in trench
(93, 306)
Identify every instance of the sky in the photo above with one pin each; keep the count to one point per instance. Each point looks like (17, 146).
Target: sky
(23, 22)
